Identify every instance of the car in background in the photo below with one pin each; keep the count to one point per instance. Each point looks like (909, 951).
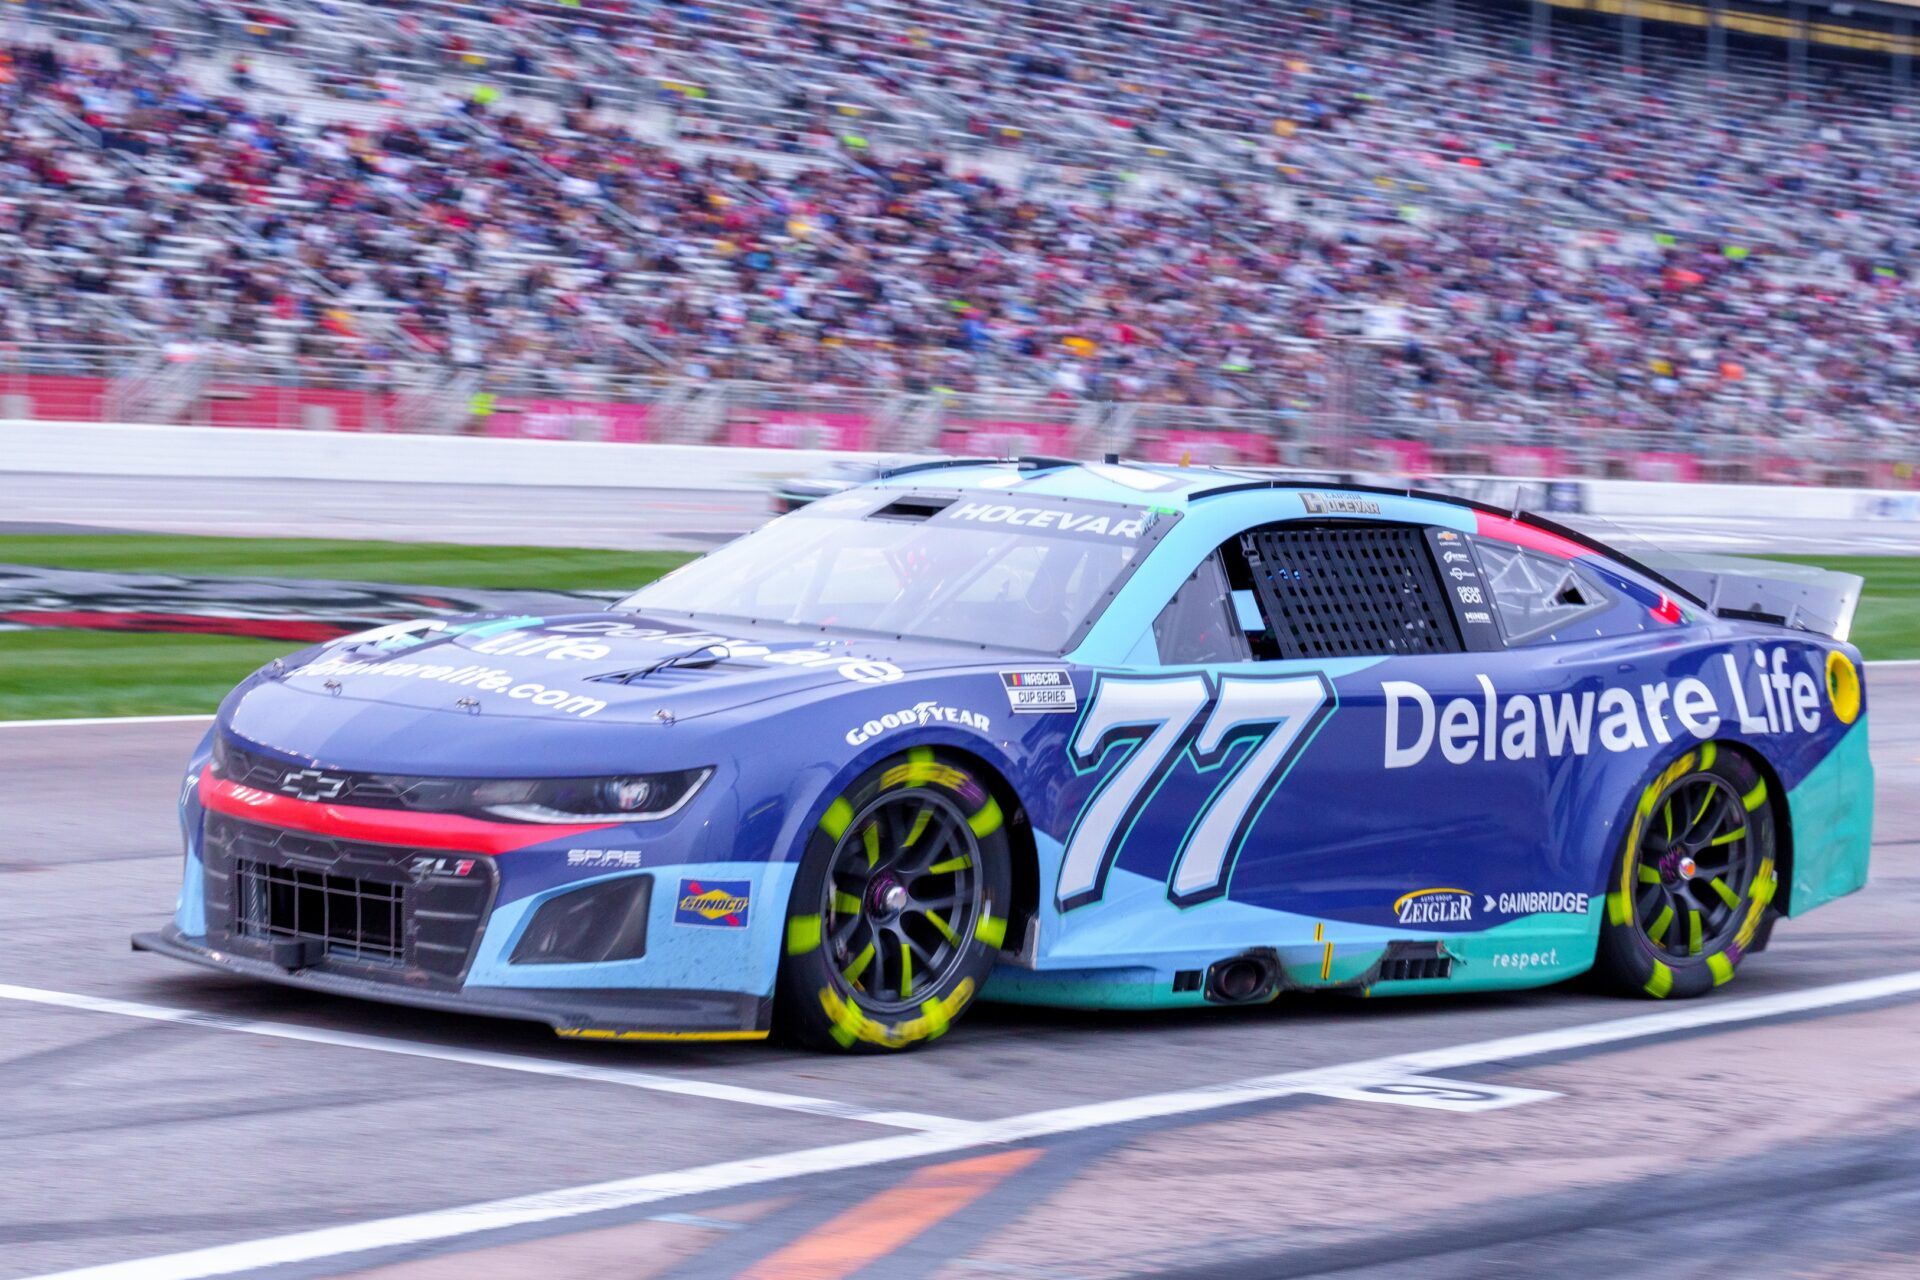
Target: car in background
(794, 492)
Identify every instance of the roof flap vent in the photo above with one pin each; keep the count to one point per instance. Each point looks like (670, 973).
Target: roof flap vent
(913, 509)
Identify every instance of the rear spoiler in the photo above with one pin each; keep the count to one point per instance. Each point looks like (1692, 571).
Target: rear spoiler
(1787, 595)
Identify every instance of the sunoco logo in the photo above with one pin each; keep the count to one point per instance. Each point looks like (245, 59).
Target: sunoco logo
(720, 903)
(1433, 906)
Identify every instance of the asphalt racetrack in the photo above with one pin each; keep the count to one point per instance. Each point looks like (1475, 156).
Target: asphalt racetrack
(158, 1121)
(183, 1124)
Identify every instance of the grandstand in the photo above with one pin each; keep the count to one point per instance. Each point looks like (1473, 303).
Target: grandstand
(1679, 231)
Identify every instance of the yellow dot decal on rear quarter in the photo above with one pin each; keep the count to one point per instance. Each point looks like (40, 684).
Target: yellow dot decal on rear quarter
(1843, 687)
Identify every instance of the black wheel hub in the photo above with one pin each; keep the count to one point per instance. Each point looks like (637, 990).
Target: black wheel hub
(886, 897)
(1696, 864)
(902, 898)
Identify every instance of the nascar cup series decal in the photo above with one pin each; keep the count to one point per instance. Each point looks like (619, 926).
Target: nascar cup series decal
(721, 904)
(1035, 691)
(1773, 699)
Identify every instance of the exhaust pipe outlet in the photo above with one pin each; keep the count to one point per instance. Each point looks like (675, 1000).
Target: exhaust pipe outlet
(1253, 977)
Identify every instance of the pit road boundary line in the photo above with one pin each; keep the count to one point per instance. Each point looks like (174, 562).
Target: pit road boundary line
(551, 1206)
(527, 1064)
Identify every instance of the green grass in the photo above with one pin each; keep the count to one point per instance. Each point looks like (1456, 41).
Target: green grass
(54, 674)
(1887, 624)
(50, 674)
(434, 564)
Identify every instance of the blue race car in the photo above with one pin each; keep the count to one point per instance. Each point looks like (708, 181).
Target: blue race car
(1105, 736)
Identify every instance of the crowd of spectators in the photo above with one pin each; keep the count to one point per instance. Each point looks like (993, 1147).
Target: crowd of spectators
(1427, 229)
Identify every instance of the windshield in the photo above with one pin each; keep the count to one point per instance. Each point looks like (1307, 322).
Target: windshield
(997, 570)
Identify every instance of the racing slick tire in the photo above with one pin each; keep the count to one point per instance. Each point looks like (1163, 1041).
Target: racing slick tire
(898, 908)
(1693, 885)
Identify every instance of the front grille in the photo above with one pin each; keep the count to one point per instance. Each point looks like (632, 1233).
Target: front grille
(360, 919)
(383, 911)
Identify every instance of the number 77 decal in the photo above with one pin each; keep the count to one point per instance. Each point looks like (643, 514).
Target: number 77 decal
(1156, 719)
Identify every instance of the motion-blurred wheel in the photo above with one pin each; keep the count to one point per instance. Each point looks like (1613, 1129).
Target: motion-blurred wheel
(1695, 879)
(898, 909)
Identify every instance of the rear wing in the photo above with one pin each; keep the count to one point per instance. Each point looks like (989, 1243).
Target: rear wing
(1788, 595)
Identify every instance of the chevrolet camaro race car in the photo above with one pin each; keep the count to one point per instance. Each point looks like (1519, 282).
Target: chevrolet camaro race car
(1108, 736)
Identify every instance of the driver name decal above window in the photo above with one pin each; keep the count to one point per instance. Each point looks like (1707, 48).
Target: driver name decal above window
(1050, 519)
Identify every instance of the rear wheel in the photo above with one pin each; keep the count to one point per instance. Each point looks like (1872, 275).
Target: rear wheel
(1695, 878)
(898, 909)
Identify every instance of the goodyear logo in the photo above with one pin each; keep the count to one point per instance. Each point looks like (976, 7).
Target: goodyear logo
(719, 903)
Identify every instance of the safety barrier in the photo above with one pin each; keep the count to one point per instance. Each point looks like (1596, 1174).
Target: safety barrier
(124, 449)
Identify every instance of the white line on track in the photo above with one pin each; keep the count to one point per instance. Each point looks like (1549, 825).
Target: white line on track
(86, 721)
(549, 1206)
(653, 1082)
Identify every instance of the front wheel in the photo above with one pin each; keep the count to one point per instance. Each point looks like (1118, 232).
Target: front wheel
(898, 909)
(1695, 878)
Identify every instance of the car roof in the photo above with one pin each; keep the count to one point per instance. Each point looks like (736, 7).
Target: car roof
(1149, 484)
(1167, 485)
(1132, 483)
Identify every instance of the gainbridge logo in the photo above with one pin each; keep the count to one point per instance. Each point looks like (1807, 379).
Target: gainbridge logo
(721, 904)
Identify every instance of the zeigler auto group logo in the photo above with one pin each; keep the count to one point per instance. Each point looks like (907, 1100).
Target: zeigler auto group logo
(1456, 906)
(1434, 906)
(1771, 697)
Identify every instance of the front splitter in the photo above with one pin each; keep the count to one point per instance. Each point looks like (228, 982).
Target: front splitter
(587, 1013)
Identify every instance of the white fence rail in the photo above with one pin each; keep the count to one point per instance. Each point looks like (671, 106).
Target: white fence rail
(126, 449)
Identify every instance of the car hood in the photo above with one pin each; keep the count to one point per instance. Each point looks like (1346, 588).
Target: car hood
(596, 667)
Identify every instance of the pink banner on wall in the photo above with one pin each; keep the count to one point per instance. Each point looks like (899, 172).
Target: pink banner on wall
(1408, 457)
(58, 398)
(1008, 439)
(1663, 466)
(789, 429)
(1779, 468)
(609, 421)
(1206, 448)
(1525, 460)
(1897, 475)
(226, 404)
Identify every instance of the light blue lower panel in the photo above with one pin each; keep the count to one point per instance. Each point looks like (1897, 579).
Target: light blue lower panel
(1832, 812)
(684, 957)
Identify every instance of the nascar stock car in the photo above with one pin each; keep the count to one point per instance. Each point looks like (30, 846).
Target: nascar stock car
(1096, 735)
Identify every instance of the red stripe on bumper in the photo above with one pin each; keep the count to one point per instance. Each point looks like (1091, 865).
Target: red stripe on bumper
(381, 826)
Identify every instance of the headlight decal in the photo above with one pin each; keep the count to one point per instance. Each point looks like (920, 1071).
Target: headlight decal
(628, 798)
(597, 800)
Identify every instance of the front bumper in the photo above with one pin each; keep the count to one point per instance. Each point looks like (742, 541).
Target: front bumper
(587, 1013)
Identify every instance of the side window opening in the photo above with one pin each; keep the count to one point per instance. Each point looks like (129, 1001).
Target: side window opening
(1534, 593)
(1346, 590)
(1201, 623)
